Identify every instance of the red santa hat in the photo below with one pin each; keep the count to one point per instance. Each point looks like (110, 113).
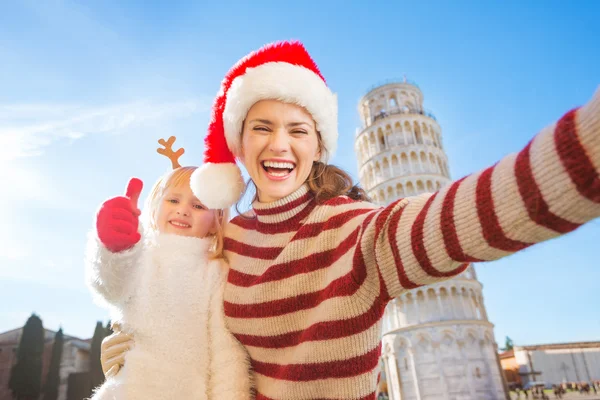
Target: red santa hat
(278, 71)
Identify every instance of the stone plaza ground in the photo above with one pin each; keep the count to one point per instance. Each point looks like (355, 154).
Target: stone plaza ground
(568, 396)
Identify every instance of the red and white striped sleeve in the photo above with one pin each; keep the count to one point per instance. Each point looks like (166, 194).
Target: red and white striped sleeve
(549, 188)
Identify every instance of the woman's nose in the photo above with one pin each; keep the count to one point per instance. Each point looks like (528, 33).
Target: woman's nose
(279, 141)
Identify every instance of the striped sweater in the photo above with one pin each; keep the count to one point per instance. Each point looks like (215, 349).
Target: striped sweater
(309, 282)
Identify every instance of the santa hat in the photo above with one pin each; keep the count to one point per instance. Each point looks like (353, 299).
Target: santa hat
(278, 71)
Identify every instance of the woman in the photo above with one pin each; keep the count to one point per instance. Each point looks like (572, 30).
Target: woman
(313, 264)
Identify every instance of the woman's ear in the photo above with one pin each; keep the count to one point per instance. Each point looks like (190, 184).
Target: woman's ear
(317, 155)
(319, 149)
(320, 146)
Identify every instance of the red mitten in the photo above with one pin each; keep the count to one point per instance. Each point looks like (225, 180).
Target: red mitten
(118, 219)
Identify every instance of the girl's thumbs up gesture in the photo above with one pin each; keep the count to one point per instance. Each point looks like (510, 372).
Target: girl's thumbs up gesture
(118, 219)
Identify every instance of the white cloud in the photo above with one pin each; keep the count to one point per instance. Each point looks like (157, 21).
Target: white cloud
(27, 129)
(12, 250)
(25, 183)
(31, 266)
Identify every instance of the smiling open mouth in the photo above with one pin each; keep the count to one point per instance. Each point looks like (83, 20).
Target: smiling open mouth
(179, 224)
(278, 168)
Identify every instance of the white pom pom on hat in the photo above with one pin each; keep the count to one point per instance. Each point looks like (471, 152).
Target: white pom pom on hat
(278, 71)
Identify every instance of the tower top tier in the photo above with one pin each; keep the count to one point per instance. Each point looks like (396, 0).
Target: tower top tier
(389, 98)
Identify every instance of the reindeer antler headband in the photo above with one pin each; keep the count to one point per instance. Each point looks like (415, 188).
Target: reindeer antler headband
(168, 152)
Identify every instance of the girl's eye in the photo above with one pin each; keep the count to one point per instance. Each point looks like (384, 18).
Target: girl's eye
(198, 207)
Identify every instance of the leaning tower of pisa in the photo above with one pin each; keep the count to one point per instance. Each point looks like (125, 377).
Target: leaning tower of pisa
(437, 341)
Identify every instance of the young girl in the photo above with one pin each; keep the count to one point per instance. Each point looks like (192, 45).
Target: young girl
(164, 285)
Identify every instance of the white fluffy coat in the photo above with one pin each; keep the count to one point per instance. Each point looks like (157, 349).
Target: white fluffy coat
(169, 296)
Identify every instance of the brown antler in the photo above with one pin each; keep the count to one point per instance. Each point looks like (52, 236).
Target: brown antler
(168, 151)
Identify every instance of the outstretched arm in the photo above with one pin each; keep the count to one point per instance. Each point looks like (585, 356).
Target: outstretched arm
(549, 188)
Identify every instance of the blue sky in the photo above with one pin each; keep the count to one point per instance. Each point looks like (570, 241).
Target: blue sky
(87, 88)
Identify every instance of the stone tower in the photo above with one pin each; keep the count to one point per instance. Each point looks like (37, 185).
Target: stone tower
(437, 341)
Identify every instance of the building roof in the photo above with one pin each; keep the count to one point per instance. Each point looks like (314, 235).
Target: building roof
(557, 346)
(13, 335)
(506, 354)
(550, 346)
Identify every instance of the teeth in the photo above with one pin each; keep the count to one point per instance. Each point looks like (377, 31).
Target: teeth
(180, 224)
(277, 173)
(274, 164)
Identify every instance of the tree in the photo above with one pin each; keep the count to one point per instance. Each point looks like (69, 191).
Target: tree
(508, 344)
(109, 330)
(96, 374)
(26, 375)
(53, 377)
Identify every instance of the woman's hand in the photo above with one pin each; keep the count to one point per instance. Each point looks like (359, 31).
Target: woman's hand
(112, 352)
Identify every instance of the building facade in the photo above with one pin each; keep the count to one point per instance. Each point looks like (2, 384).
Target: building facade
(75, 359)
(552, 364)
(438, 343)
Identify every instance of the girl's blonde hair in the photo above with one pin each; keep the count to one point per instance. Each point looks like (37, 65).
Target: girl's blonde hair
(175, 178)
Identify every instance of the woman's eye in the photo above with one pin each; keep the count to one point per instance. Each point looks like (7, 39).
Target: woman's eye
(174, 201)
(260, 128)
(300, 132)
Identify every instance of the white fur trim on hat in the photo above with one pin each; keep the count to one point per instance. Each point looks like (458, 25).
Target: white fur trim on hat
(288, 83)
(217, 186)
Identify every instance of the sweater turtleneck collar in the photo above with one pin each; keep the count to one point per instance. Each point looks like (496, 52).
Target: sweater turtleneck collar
(285, 209)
